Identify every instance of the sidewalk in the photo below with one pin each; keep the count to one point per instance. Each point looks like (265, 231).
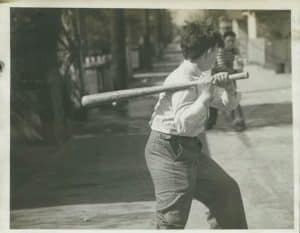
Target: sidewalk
(99, 178)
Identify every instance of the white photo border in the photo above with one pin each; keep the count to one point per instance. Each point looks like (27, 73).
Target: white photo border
(292, 5)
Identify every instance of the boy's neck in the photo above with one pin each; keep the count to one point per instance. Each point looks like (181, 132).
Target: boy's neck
(199, 64)
(195, 68)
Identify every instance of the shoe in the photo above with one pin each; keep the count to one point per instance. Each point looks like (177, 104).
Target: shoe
(239, 125)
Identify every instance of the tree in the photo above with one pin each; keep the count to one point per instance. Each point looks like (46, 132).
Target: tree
(118, 49)
(36, 99)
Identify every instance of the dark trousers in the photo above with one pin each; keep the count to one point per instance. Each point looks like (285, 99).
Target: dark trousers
(213, 116)
(237, 113)
(180, 172)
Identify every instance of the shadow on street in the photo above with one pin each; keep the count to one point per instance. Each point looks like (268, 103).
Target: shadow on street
(104, 164)
(98, 169)
(262, 115)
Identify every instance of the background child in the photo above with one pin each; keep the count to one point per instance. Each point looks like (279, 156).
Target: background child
(233, 63)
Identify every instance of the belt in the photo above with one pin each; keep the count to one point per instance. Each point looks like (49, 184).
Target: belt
(187, 142)
(169, 136)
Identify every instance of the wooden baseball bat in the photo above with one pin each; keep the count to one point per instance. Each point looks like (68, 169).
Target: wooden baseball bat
(112, 96)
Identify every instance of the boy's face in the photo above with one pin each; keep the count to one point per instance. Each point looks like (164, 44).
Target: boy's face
(229, 42)
(225, 26)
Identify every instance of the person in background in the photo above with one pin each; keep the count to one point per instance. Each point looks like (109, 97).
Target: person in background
(234, 62)
(228, 59)
(224, 26)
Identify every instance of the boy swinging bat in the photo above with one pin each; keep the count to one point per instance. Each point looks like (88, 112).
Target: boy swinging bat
(178, 168)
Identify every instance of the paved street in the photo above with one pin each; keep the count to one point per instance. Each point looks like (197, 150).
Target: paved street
(98, 179)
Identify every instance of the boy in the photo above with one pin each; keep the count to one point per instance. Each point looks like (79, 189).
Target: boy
(178, 168)
(224, 62)
(225, 25)
(232, 62)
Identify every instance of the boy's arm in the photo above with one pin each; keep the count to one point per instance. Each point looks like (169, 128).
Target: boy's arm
(191, 109)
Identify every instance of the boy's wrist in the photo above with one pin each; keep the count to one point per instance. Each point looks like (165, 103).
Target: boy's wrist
(205, 98)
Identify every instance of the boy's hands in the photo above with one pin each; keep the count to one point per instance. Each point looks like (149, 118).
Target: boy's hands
(220, 79)
(206, 86)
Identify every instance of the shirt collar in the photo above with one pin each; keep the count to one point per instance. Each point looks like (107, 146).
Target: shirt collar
(193, 70)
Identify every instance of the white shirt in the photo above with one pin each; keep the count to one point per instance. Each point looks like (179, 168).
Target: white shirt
(169, 114)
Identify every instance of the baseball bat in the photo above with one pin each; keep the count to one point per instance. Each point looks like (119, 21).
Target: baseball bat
(94, 100)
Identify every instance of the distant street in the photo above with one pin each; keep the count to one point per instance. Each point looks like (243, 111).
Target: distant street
(98, 179)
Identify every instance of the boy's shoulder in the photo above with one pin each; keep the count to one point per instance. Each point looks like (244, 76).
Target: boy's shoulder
(178, 75)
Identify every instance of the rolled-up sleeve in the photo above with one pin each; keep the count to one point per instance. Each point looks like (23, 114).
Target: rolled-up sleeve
(186, 122)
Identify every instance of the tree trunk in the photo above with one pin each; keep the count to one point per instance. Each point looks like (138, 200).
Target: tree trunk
(57, 125)
(147, 45)
(160, 33)
(118, 49)
(80, 56)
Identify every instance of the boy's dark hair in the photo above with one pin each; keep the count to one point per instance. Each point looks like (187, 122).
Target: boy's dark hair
(229, 33)
(197, 38)
(224, 18)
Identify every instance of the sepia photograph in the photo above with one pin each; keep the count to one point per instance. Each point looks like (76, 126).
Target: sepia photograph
(151, 118)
